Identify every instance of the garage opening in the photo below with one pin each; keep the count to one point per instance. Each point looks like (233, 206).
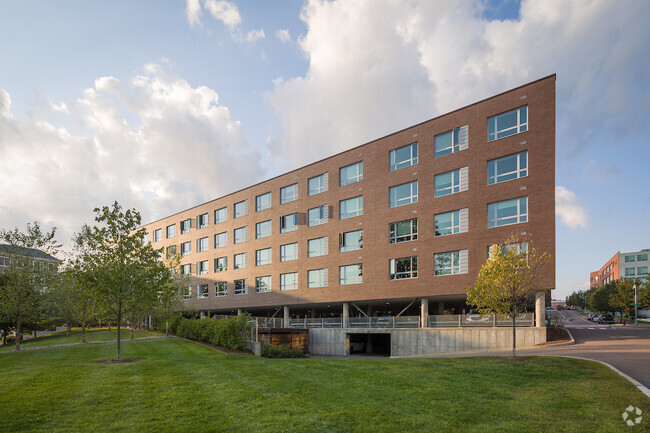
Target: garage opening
(370, 344)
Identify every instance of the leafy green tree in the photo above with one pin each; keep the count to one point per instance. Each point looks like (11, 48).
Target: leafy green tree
(28, 276)
(123, 271)
(577, 299)
(504, 283)
(622, 296)
(598, 299)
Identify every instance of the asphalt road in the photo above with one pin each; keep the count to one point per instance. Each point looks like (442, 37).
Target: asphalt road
(625, 347)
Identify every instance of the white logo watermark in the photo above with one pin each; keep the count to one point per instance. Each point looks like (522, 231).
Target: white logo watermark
(629, 416)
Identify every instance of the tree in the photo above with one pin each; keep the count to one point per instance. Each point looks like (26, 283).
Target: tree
(622, 296)
(504, 283)
(32, 269)
(577, 299)
(123, 271)
(598, 299)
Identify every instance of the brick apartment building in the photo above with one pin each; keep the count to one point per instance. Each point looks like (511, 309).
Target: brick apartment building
(401, 224)
(630, 265)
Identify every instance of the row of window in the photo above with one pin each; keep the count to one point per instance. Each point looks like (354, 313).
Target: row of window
(638, 257)
(499, 170)
(640, 271)
(447, 263)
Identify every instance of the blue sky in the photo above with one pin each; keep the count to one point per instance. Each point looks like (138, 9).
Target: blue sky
(113, 100)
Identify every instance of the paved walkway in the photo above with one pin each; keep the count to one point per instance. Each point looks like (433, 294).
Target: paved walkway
(83, 344)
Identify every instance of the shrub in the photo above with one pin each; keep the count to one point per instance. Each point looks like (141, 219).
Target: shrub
(280, 352)
(231, 333)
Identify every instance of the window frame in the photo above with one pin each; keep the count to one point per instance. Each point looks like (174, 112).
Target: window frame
(394, 201)
(202, 244)
(172, 231)
(454, 227)
(157, 235)
(285, 197)
(225, 238)
(494, 133)
(203, 221)
(393, 232)
(358, 177)
(242, 290)
(220, 289)
(285, 219)
(394, 165)
(259, 205)
(186, 251)
(259, 234)
(454, 146)
(519, 216)
(321, 216)
(202, 267)
(322, 278)
(217, 267)
(357, 212)
(519, 172)
(240, 209)
(324, 246)
(283, 284)
(186, 226)
(453, 268)
(343, 246)
(321, 185)
(243, 258)
(343, 280)
(453, 188)
(217, 215)
(394, 274)
(284, 257)
(259, 288)
(243, 230)
(258, 262)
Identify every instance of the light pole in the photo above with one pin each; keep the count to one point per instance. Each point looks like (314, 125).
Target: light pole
(635, 306)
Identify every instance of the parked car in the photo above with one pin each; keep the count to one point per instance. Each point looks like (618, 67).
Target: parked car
(591, 316)
(606, 318)
(595, 318)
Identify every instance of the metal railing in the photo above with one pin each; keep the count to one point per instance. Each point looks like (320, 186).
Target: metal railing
(384, 322)
(330, 322)
(477, 320)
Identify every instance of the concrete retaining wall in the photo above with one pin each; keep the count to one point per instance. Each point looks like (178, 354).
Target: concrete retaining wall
(423, 341)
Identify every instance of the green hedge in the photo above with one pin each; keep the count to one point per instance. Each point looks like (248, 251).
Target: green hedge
(231, 333)
(280, 352)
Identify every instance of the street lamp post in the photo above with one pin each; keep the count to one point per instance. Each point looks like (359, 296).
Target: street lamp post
(635, 306)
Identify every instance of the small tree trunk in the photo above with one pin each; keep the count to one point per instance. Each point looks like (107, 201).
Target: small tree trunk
(83, 327)
(67, 328)
(132, 329)
(109, 326)
(119, 321)
(18, 332)
(514, 337)
(166, 327)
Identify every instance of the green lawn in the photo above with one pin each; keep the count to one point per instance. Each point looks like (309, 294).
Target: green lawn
(75, 337)
(182, 386)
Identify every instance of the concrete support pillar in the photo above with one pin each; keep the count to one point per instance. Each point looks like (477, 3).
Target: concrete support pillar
(346, 314)
(424, 312)
(202, 313)
(239, 311)
(313, 313)
(286, 316)
(369, 310)
(540, 308)
(441, 308)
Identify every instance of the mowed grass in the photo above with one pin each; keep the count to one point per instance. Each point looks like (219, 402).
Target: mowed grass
(182, 386)
(100, 334)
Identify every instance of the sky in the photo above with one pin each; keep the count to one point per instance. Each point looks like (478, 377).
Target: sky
(154, 104)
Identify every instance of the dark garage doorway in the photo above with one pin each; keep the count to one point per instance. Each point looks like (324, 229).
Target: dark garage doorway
(370, 344)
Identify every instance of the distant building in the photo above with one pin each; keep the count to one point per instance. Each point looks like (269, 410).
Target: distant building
(631, 265)
(8, 253)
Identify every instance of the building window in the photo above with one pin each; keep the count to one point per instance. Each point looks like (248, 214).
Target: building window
(241, 209)
(405, 267)
(642, 257)
(241, 287)
(629, 259)
(186, 269)
(404, 156)
(241, 235)
(263, 229)
(202, 267)
(263, 202)
(157, 235)
(317, 247)
(186, 226)
(630, 272)
(508, 168)
(171, 231)
(446, 263)
(318, 215)
(318, 184)
(202, 245)
(403, 231)
(263, 284)
(317, 278)
(241, 260)
(351, 274)
(450, 223)
(351, 207)
(5, 262)
(202, 291)
(263, 257)
(351, 173)
(406, 193)
(289, 193)
(507, 212)
(450, 141)
(506, 124)
(221, 215)
(220, 289)
(351, 241)
(202, 221)
(187, 292)
(289, 223)
(171, 251)
(289, 281)
(221, 240)
(145, 239)
(186, 248)
(450, 182)
(221, 264)
(517, 248)
(641, 271)
(288, 252)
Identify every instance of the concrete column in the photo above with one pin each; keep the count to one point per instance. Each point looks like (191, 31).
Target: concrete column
(540, 308)
(286, 316)
(369, 310)
(239, 311)
(202, 314)
(424, 312)
(346, 314)
(441, 308)
(313, 313)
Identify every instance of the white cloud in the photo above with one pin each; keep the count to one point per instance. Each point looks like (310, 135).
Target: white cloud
(178, 151)
(61, 107)
(224, 11)
(254, 35)
(283, 35)
(568, 208)
(193, 12)
(376, 70)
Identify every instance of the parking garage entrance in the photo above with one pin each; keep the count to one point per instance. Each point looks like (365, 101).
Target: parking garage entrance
(369, 344)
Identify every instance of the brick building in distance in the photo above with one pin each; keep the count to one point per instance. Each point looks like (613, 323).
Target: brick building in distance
(399, 225)
(630, 265)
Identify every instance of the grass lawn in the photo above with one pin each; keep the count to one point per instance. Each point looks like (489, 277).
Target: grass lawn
(100, 334)
(181, 386)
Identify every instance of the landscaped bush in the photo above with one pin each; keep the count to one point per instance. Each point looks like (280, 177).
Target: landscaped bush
(280, 352)
(231, 333)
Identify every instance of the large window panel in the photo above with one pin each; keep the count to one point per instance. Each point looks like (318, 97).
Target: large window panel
(404, 194)
(404, 156)
(289, 223)
(317, 278)
(351, 207)
(263, 284)
(289, 252)
(317, 247)
(351, 274)
(450, 141)
(351, 241)
(404, 267)
(318, 184)
(289, 193)
(403, 231)
(289, 281)
(509, 123)
(508, 168)
(263, 202)
(351, 173)
(263, 229)
(508, 212)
